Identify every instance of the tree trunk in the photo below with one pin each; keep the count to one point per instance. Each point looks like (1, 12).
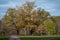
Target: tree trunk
(17, 31)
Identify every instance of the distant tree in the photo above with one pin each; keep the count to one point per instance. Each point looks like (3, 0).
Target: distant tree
(56, 20)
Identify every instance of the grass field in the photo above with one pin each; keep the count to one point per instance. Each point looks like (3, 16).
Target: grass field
(34, 38)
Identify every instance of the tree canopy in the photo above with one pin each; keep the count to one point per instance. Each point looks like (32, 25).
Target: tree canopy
(28, 20)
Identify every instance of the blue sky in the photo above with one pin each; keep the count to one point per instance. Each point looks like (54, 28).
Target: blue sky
(53, 6)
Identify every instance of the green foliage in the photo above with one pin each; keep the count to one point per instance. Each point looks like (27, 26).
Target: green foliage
(50, 26)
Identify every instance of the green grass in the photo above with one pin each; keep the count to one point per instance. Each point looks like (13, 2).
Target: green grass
(34, 38)
(4, 38)
(41, 38)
